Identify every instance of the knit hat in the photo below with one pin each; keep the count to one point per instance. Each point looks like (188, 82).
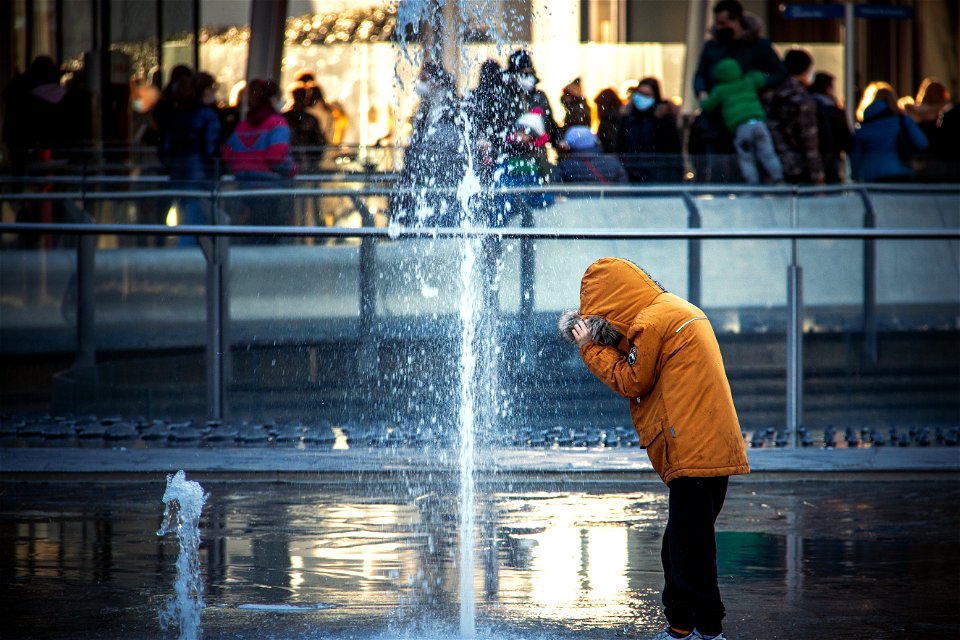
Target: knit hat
(532, 123)
(580, 138)
(519, 60)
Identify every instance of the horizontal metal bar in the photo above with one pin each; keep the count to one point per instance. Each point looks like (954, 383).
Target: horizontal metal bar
(340, 176)
(815, 233)
(569, 190)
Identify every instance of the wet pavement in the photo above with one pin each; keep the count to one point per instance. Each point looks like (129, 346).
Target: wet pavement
(799, 559)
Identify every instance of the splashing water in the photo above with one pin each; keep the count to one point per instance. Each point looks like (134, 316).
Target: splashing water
(184, 500)
(477, 371)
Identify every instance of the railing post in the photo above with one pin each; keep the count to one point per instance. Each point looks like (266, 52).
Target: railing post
(794, 338)
(86, 302)
(217, 313)
(369, 344)
(527, 264)
(216, 250)
(694, 265)
(869, 281)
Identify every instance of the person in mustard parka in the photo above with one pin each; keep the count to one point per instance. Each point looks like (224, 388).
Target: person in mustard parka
(660, 352)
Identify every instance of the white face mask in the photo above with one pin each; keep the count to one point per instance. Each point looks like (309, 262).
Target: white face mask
(527, 81)
(421, 88)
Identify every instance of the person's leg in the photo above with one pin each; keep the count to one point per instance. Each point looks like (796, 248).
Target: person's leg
(743, 143)
(767, 153)
(691, 596)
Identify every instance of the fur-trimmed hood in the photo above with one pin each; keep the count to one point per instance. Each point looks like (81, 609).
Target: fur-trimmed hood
(600, 330)
(617, 290)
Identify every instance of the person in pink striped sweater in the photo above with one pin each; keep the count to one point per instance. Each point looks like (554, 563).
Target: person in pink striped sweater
(258, 154)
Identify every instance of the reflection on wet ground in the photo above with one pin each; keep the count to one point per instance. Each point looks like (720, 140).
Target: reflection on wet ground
(841, 560)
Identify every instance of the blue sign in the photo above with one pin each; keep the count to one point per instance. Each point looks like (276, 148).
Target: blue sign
(811, 11)
(883, 11)
(834, 11)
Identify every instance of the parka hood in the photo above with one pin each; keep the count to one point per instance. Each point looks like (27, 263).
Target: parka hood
(617, 290)
(877, 109)
(727, 70)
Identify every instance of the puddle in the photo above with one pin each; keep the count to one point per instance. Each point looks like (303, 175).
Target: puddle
(302, 561)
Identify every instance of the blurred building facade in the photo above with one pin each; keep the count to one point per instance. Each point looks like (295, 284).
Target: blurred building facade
(350, 46)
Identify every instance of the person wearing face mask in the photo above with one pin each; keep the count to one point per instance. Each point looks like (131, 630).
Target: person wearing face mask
(258, 154)
(734, 34)
(436, 156)
(524, 95)
(792, 120)
(648, 139)
(190, 144)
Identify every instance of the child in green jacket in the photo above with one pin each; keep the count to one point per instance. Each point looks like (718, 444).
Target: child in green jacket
(736, 96)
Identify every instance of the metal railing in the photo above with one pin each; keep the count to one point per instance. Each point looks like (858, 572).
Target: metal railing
(215, 245)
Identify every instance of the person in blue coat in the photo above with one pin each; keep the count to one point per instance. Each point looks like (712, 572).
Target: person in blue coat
(586, 163)
(190, 144)
(884, 138)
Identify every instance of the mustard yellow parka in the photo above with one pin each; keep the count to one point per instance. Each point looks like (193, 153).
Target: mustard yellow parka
(669, 366)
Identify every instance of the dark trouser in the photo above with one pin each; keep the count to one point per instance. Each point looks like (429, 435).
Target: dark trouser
(691, 597)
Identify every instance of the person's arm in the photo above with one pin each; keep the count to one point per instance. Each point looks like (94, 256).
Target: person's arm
(810, 140)
(668, 134)
(917, 137)
(856, 157)
(211, 134)
(711, 102)
(701, 80)
(770, 63)
(277, 155)
(630, 380)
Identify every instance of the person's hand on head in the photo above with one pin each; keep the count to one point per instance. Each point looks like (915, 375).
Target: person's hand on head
(581, 333)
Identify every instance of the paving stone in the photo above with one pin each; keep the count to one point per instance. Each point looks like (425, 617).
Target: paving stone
(156, 433)
(91, 430)
(222, 433)
(120, 431)
(58, 431)
(253, 434)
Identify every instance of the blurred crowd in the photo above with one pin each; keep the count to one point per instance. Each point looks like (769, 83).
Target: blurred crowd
(763, 119)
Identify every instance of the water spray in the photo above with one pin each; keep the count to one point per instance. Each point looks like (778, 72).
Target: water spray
(184, 500)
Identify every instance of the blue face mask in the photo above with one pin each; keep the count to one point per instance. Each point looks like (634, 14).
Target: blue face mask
(642, 102)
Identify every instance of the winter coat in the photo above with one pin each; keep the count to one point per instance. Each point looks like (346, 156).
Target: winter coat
(260, 152)
(792, 120)
(590, 167)
(305, 128)
(520, 102)
(668, 364)
(608, 131)
(736, 95)
(649, 144)
(834, 134)
(875, 156)
(435, 159)
(190, 143)
(752, 52)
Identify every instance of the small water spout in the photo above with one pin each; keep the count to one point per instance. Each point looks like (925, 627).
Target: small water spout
(183, 501)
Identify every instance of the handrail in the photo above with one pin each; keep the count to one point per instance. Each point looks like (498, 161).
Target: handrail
(217, 250)
(542, 233)
(678, 189)
(683, 191)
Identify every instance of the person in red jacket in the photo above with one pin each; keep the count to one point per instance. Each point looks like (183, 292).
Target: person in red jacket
(660, 352)
(258, 154)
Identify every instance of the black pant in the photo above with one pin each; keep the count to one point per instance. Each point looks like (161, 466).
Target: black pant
(691, 597)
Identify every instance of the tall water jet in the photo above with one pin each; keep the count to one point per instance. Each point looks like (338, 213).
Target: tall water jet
(184, 500)
(441, 27)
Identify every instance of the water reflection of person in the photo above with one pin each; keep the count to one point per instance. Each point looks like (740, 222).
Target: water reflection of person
(660, 352)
